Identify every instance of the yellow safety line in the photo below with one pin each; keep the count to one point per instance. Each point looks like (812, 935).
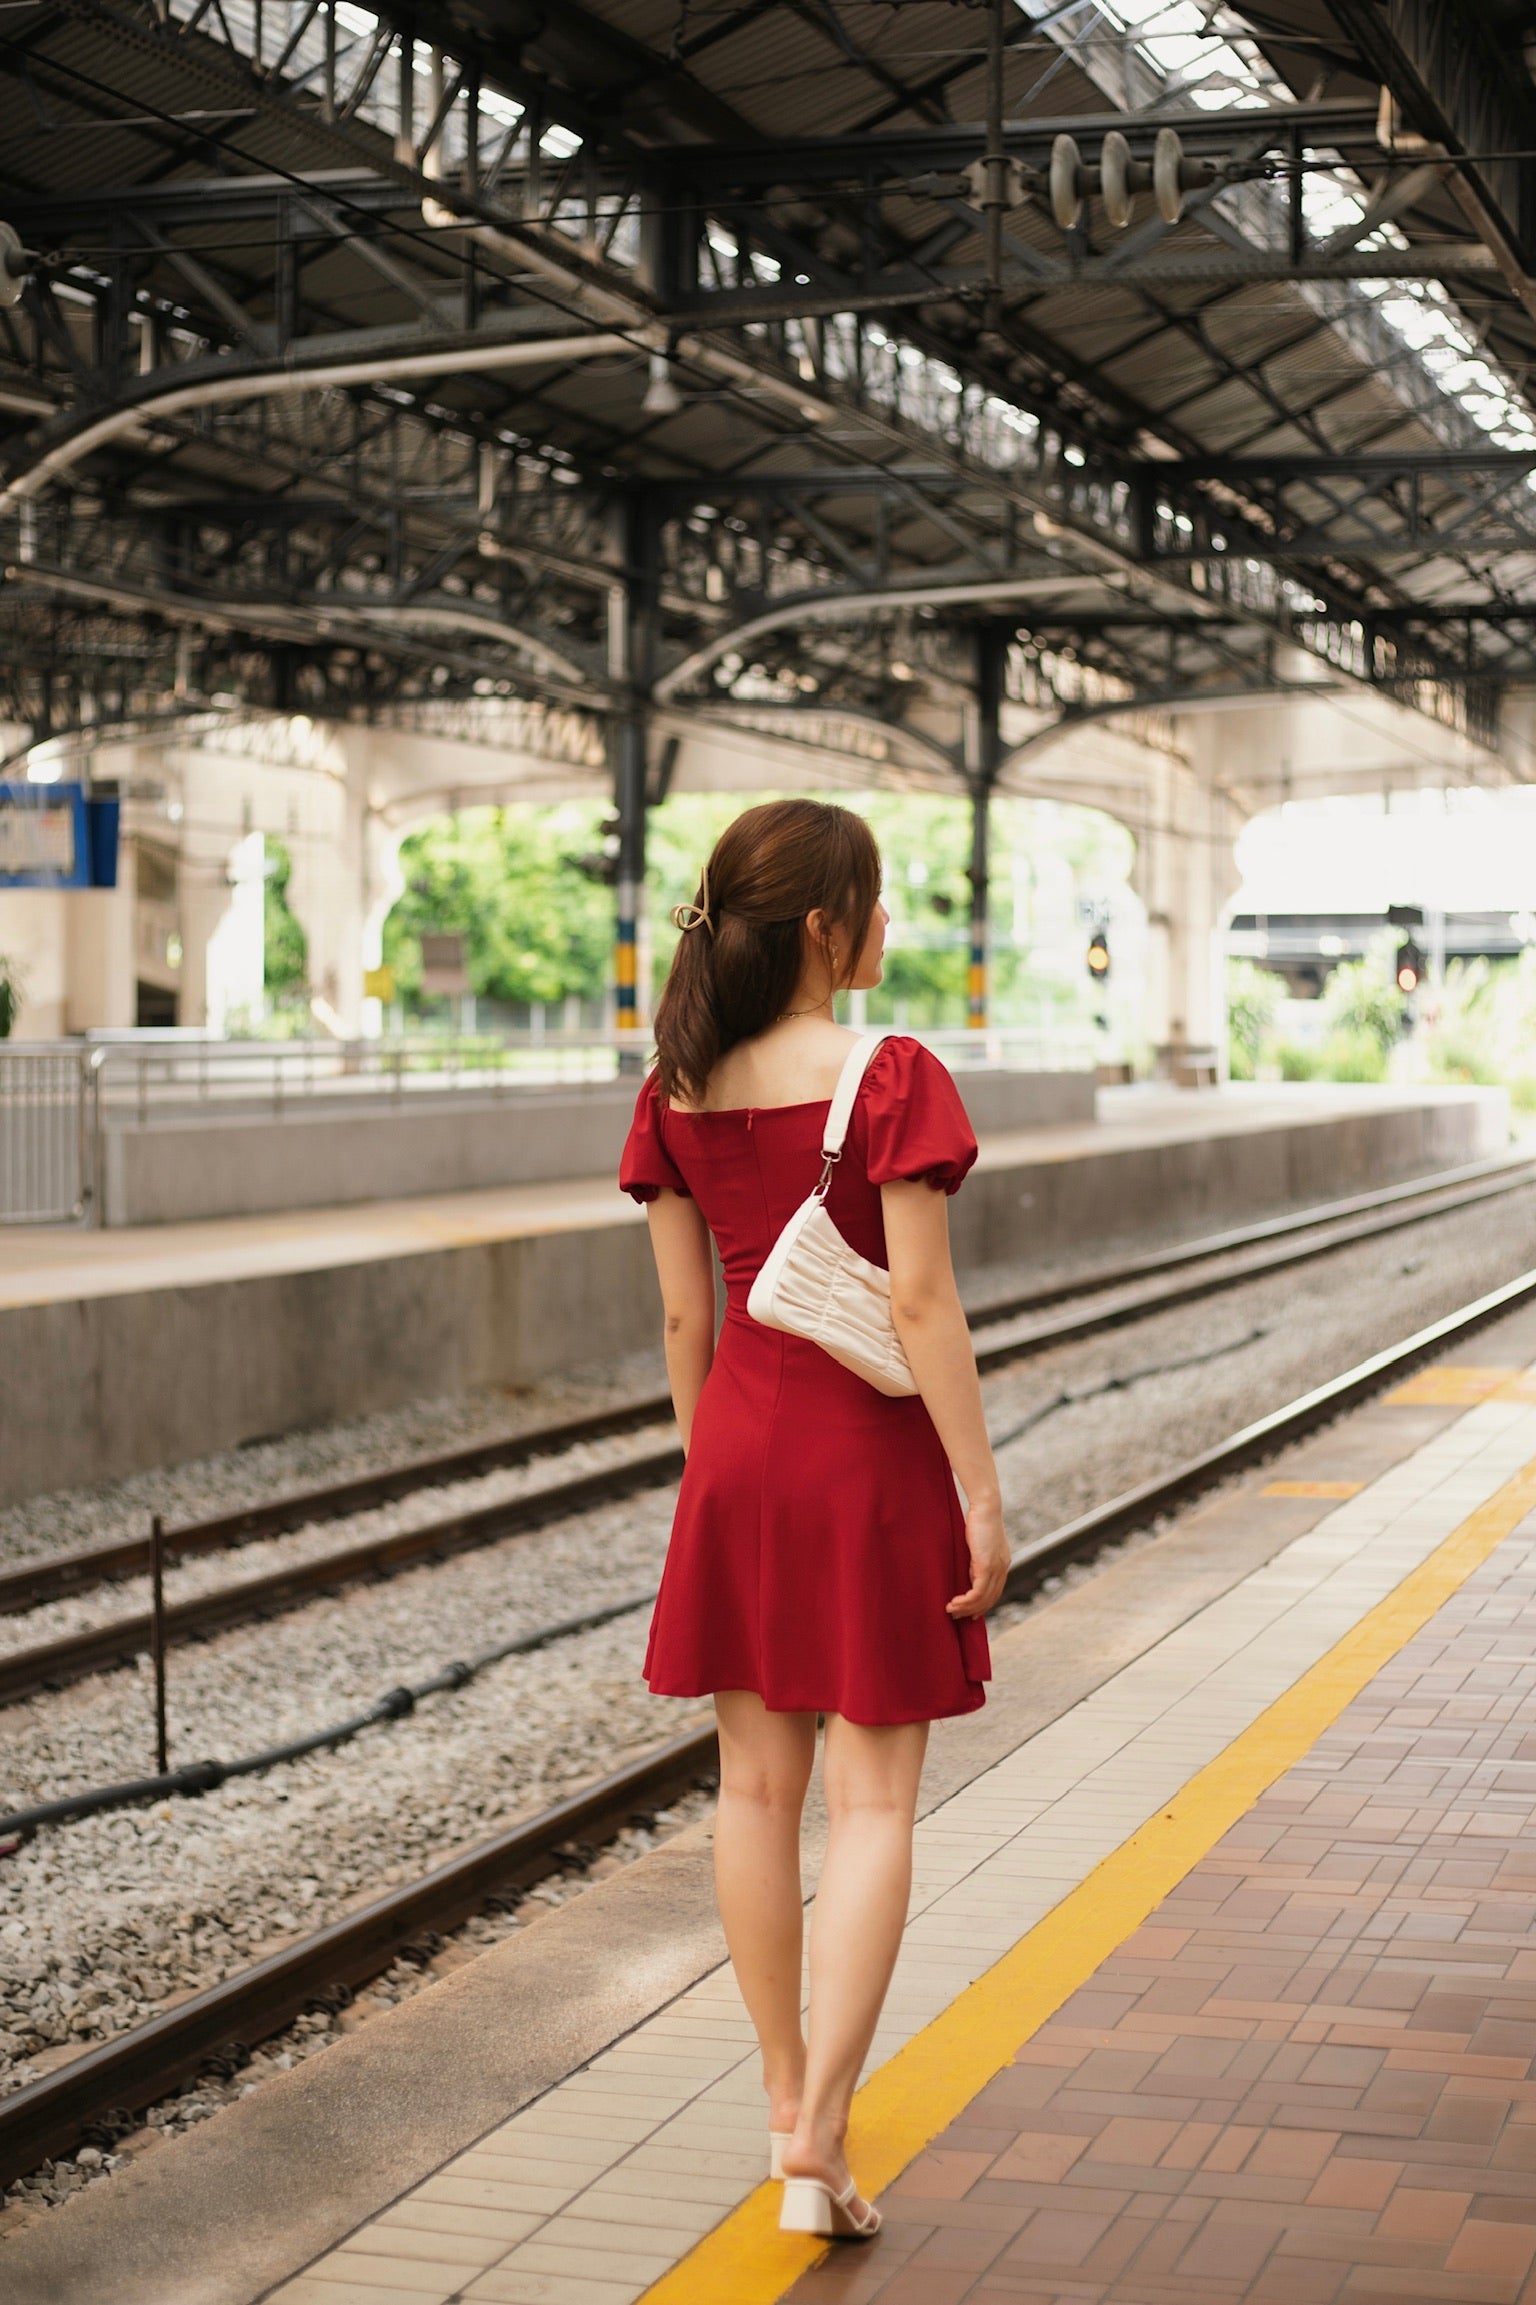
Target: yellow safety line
(1312, 1489)
(1445, 1387)
(926, 2085)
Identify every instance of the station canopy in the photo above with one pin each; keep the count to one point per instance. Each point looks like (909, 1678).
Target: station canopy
(762, 357)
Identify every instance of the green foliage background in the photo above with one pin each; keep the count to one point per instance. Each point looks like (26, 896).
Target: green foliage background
(1478, 1025)
(538, 928)
(1253, 1001)
(535, 927)
(12, 986)
(286, 967)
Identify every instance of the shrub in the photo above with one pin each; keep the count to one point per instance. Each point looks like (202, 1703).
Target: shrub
(1350, 1053)
(1361, 999)
(1253, 1001)
(1296, 1063)
(12, 984)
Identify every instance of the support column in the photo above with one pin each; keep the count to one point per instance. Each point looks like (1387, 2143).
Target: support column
(631, 666)
(983, 757)
(629, 891)
(99, 925)
(1186, 875)
(323, 820)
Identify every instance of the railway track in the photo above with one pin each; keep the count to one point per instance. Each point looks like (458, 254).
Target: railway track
(1007, 1330)
(106, 2086)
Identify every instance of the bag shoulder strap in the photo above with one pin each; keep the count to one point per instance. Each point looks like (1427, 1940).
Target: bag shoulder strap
(840, 1112)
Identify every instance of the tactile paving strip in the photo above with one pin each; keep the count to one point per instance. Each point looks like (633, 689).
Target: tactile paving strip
(1307, 2080)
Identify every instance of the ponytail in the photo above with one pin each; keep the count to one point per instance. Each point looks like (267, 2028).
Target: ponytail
(739, 957)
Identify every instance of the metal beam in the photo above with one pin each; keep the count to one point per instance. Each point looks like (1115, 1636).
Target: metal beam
(906, 287)
(983, 759)
(88, 429)
(840, 607)
(47, 219)
(643, 118)
(951, 147)
(1377, 464)
(1445, 71)
(1372, 506)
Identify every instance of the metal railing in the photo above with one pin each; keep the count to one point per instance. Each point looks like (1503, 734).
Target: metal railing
(59, 1098)
(150, 1078)
(146, 1078)
(49, 1134)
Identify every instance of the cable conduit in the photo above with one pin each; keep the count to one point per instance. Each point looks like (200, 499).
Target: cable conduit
(395, 1705)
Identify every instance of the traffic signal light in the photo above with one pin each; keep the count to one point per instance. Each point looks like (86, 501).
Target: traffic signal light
(1410, 965)
(1098, 956)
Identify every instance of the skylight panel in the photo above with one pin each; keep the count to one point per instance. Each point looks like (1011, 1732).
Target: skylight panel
(1205, 54)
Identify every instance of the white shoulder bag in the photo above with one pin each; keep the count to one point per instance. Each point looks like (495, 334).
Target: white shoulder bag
(814, 1285)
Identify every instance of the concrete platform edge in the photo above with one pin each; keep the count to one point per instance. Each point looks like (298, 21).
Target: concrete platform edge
(101, 1383)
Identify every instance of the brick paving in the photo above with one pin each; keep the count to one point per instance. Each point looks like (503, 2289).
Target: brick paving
(1311, 2077)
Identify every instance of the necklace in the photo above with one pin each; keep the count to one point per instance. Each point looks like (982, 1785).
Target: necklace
(785, 1015)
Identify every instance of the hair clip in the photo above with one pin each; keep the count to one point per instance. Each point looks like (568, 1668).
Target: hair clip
(687, 916)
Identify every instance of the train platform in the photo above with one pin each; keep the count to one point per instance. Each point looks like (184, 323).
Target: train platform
(1219, 1984)
(188, 1338)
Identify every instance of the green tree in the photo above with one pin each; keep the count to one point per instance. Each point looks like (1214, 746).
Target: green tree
(285, 964)
(1361, 1001)
(926, 844)
(1482, 1025)
(12, 986)
(535, 926)
(925, 840)
(1253, 1002)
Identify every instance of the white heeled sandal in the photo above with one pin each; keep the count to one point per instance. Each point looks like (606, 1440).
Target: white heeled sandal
(812, 2207)
(777, 2140)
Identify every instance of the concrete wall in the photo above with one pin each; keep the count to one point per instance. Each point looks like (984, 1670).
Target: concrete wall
(178, 1170)
(1206, 1181)
(103, 1385)
(99, 1386)
(1008, 1100)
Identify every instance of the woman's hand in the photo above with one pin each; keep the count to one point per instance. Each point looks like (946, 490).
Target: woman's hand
(990, 1559)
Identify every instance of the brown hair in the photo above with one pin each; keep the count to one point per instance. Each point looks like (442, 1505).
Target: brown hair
(736, 972)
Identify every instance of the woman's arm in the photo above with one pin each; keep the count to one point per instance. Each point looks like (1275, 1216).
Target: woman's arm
(931, 1323)
(685, 1268)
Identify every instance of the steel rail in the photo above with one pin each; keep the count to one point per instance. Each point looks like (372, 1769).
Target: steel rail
(51, 1580)
(46, 1665)
(1503, 1172)
(52, 1663)
(36, 1582)
(1136, 1508)
(117, 2079)
(1116, 1306)
(108, 2084)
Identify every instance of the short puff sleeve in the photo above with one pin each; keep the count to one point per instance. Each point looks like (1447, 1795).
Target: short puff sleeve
(646, 1167)
(912, 1122)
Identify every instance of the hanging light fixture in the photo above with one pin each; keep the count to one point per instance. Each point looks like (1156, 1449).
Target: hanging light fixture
(662, 397)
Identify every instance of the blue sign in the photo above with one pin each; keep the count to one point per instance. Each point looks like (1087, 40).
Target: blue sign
(53, 836)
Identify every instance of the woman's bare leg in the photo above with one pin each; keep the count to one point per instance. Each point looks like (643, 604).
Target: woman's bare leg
(871, 1779)
(765, 1766)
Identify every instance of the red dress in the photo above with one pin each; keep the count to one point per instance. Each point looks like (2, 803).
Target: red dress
(818, 1532)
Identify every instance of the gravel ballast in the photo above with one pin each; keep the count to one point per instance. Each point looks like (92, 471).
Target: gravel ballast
(65, 1521)
(224, 1570)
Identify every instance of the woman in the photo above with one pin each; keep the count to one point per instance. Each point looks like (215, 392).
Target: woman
(820, 1562)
